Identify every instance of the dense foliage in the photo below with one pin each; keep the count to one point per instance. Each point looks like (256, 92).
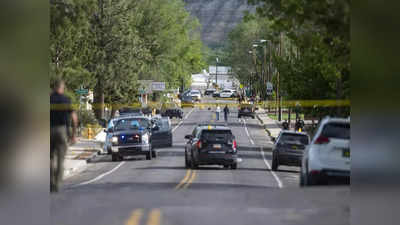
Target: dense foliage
(108, 45)
(309, 47)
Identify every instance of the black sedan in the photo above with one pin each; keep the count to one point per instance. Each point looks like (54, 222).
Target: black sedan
(289, 148)
(211, 144)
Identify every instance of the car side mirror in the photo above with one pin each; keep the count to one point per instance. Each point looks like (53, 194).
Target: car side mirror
(189, 136)
(273, 139)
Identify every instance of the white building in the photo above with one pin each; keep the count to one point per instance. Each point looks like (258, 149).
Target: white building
(222, 75)
(200, 80)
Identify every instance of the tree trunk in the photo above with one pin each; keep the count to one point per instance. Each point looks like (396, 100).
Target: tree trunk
(99, 101)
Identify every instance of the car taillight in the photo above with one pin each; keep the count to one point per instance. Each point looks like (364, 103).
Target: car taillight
(199, 145)
(234, 145)
(321, 140)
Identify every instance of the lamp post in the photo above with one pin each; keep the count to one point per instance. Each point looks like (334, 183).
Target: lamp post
(255, 63)
(216, 71)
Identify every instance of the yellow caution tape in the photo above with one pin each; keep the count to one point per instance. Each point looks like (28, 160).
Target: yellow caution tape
(264, 104)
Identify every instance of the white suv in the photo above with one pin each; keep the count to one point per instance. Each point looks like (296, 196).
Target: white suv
(196, 95)
(226, 94)
(328, 155)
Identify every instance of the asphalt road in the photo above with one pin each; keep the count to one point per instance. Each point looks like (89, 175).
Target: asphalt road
(163, 191)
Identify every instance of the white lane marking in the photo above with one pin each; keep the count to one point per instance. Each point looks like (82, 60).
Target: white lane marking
(180, 123)
(270, 169)
(263, 156)
(101, 175)
(247, 132)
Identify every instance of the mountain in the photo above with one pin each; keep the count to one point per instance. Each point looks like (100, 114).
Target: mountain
(217, 17)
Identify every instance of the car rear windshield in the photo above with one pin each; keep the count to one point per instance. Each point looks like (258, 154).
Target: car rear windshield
(299, 138)
(337, 130)
(216, 135)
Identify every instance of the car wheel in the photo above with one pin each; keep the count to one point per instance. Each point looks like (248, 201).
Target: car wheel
(301, 179)
(226, 166)
(109, 152)
(187, 165)
(149, 155)
(234, 166)
(154, 153)
(252, 117)
(193, 164)
(114, 157)
(275, 163)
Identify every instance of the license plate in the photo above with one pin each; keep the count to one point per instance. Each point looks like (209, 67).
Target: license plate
(215, 152)
(217, 146)
(346, 153)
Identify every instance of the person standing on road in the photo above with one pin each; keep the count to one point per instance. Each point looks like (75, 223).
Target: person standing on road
(60, 114)
(217, 111)
(226, 113)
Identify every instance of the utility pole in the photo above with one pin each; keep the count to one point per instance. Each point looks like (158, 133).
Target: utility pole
(278, 79)
(216, 72)
(255, 65)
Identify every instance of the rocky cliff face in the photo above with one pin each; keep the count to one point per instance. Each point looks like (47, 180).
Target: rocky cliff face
(217, 17)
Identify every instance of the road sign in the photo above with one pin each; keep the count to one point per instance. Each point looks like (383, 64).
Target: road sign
(158, 86)
(82, 91)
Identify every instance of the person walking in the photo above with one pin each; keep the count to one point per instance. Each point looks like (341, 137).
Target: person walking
(226, 113)
(217, 111)
(61, 113)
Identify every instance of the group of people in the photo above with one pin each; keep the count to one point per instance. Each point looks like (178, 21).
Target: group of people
(226, 112)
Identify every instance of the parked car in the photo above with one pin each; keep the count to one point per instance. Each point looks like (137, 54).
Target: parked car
(328, 155)
(132, 136)
(247, 110)
(211, 144)
(226, 94)
(209, 91)
(235, 94)
(163, 136)
(196, 95)
(216, 94)
(289, 148)
(173, 112)
(187, 101)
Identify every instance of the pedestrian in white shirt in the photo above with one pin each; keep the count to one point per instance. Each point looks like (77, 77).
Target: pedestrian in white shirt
(217, 111)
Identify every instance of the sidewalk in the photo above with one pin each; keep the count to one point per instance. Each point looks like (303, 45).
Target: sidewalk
(271, 126)
(79, 154)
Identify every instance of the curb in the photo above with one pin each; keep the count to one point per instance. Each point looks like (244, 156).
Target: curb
(262, 122)
(79, 164)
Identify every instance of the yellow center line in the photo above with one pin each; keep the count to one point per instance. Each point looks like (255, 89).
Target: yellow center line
(135, 217)
(154, 217)
(191, 180)
(184, 180)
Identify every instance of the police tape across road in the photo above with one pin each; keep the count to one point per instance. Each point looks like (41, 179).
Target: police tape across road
(264, 104)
